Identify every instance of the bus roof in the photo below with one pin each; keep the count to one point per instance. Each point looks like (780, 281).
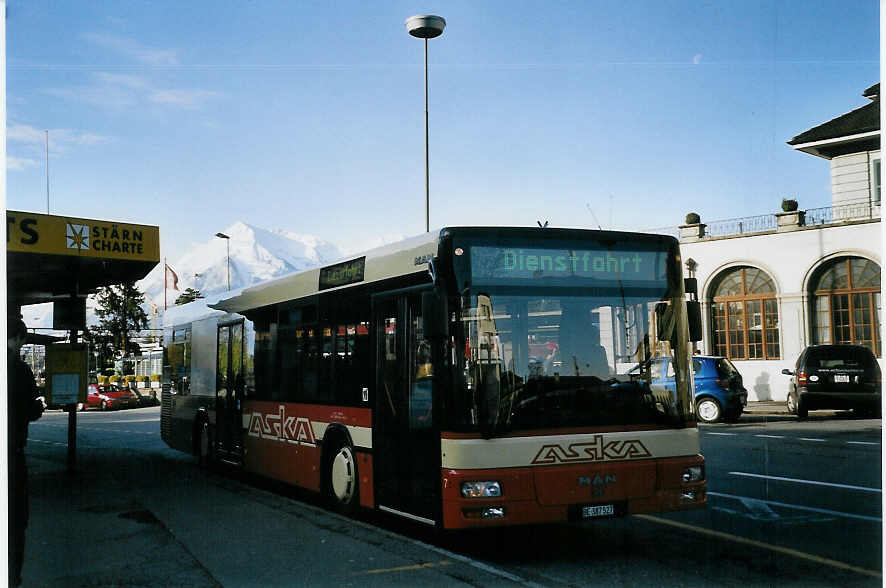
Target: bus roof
(183, 314)
(396, 259)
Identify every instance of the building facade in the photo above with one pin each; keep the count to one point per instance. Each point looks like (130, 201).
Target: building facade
(771, 285)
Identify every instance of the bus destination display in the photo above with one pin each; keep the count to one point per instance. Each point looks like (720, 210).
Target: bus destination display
(510, 264)
(341, 274)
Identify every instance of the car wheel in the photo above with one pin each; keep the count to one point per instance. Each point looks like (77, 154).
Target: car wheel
(341, 479)
(792, 403)
(708, 410)
(733, 415)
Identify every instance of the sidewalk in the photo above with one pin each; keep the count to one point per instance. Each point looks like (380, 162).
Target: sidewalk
(771, 407)
(103, 525)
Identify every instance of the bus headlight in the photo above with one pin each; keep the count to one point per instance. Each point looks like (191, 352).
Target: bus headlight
(480, 489)
(693, 474)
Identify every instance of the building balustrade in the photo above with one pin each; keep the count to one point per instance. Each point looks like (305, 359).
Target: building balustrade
(765, 223)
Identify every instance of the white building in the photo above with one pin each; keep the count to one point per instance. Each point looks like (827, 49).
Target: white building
(772, 284)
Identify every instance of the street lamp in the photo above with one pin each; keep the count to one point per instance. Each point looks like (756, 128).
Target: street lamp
(228, 242)
(426, 26)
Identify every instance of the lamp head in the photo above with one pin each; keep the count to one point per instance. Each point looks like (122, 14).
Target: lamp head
(425, 26)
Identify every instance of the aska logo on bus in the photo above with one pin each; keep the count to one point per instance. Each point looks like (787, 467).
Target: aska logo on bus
(280, 427)
(596, 450)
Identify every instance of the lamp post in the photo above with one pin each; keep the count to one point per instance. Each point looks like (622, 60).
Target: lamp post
(228, 242)
(426, 26)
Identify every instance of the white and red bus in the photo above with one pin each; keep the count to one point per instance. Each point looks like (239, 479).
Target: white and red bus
(472, 377)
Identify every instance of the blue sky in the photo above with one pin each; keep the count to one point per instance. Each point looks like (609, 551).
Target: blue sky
(309, 116)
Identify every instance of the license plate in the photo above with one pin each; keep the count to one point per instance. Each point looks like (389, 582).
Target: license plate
(603, 510)
(841, 378)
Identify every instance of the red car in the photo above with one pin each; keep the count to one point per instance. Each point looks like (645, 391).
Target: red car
(110, 397)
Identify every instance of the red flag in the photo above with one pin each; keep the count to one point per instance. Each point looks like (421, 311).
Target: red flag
(171, 275)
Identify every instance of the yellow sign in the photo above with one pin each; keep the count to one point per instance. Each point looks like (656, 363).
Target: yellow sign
(28, 232)
(65, 373)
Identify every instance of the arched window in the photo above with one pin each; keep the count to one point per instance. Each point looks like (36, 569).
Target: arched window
(846, 303)
(744, 315)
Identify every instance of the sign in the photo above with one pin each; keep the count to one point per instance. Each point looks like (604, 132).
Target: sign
(65, 373)
(516, 264)
(342, 274)
(28, 232)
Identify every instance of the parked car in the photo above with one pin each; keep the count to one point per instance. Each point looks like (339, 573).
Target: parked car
(719, 389)
(110, 397)
(144, 397)
(41, 391)
(837, 377)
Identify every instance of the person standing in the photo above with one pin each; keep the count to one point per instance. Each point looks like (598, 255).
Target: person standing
(23, 407)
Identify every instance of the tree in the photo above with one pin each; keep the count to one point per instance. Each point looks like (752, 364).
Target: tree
(188, 295)
(120, 314)
(102, 344)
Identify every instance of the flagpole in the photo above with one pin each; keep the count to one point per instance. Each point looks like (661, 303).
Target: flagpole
(164, 284)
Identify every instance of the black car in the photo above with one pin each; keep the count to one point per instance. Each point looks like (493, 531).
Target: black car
(837, 377)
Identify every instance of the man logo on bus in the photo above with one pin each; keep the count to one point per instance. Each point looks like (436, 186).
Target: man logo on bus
(282, 428)
(596, 450)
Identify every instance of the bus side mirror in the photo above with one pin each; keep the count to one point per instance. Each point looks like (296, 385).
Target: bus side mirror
(434, 315)
(693, 314)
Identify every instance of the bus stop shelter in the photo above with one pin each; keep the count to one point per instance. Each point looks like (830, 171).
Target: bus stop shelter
(62, 260)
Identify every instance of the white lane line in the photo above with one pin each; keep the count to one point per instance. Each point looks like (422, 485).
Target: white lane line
(798, 507)
(775, 548)
(811, 439)
(801, 481)
(722, 434)
(861, 443)
(771, 436)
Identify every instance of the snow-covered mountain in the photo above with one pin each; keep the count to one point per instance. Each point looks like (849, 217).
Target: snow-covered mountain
(256, 254)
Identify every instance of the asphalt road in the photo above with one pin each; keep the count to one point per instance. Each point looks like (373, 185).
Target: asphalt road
(790, 503)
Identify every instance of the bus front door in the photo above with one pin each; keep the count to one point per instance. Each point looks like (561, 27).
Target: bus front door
(230, 385)
(406, 438)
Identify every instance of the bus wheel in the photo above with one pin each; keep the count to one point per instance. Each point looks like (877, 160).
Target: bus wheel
(341, 482)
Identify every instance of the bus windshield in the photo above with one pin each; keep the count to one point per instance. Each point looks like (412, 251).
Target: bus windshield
(557, 355)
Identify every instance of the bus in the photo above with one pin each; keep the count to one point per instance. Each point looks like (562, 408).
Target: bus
(467, 378)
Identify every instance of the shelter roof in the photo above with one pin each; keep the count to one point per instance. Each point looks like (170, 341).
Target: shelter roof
(52, 257)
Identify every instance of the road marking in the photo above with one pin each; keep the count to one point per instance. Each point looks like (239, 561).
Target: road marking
(771, 436)
(801, 481)
(722, 434)
(810, 439)
(423, 566)
(861, 443)
(798, 507)
(776, 548)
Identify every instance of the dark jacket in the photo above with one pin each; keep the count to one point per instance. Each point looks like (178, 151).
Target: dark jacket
(23, 405)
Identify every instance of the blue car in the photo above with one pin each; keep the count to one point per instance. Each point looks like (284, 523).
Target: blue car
(720, 394)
